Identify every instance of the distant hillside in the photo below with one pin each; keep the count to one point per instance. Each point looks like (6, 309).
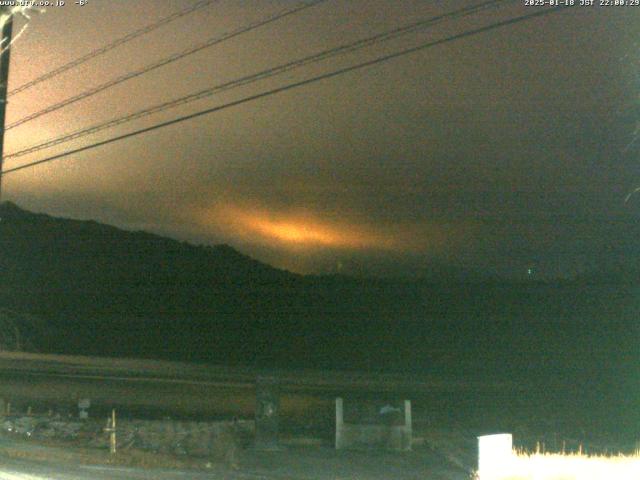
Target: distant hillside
(51, 264)
(102, 290)
(20, 331)
(55, 266)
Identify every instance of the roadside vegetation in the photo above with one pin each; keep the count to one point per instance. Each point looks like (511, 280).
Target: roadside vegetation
(569, 466)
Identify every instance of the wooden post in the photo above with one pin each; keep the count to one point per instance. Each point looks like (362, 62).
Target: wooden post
(111, 428)
(112, 442)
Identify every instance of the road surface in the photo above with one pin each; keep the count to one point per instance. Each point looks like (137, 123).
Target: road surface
(289, 464)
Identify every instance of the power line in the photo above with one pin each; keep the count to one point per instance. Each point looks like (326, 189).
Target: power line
(163, 62)
(366, 42)
(291, 86)
(116, 43)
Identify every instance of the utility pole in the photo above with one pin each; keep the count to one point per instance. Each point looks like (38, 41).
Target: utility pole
(5, 47)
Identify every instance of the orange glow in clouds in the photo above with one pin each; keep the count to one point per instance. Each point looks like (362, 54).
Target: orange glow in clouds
(307, 231)
(296, 233)
(293, 230)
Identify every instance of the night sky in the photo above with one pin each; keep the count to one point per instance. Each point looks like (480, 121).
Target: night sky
(502, 152)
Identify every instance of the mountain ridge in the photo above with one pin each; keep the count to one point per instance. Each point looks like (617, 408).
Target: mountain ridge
(100, 290)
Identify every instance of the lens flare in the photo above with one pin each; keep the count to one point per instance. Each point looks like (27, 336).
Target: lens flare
(10, 13)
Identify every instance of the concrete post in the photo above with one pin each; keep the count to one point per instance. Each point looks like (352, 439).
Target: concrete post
(339, 424)
(495, 453)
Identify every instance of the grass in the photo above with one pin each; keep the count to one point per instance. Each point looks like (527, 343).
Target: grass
(129, 458)
(67, 452)
(573, 466)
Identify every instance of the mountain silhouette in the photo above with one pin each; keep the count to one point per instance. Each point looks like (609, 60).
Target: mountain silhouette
(51, 264)
(100, 290)
(103, 290)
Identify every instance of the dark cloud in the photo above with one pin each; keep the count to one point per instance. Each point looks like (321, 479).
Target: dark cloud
(493, 152)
